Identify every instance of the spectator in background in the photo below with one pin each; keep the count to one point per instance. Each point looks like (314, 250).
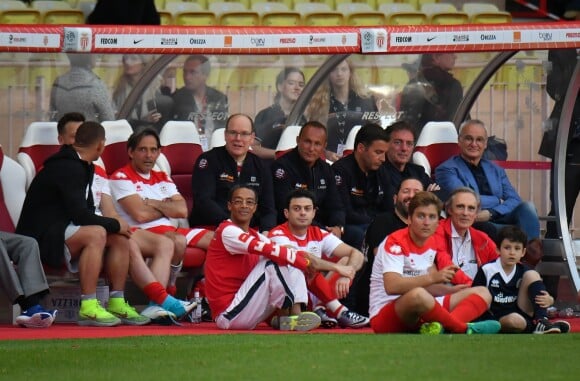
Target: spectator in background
(218, 170)
(434, 94)
(80, 90)
(152, 108)
(340, 103)
(22, 279)
(271, 121)
(124, 12)
(500, 203)
(197, 102)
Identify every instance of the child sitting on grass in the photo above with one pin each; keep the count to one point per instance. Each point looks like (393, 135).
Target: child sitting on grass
(519, 297)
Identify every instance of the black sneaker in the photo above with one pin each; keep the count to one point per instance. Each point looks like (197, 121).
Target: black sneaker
(563, 325)
(351, 319)
(205, 311)
(545, 326)
(325, 320)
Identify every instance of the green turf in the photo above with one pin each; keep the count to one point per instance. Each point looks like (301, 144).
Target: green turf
(295, 357)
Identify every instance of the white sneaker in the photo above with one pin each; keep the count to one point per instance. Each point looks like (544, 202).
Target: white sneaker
(38, 320)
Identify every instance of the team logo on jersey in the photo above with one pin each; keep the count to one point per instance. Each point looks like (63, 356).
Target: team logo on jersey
(253, 179)
(357, 192)
(338, 180)
(395, 249)
(494, 283)
(120, 175)
(277, 232)
(202, 164)
(280, 173)
(226, 177)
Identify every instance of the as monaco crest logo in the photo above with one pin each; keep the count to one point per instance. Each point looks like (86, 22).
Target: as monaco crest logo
(380, 41)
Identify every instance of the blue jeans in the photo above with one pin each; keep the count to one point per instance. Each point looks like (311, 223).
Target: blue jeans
(524, 216)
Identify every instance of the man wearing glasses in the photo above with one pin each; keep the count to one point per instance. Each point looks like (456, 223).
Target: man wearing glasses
(401, 138)
(218, 170)
(500, 203)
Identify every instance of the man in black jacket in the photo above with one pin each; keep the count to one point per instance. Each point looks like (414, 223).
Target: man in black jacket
(303, 168)
(363, 182)
(59, 213)
(218, 170)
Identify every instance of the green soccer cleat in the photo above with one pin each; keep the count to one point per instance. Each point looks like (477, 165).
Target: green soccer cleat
(305, 321)
(431, 328)
(128, 315)
(483, 327)
(92, 313)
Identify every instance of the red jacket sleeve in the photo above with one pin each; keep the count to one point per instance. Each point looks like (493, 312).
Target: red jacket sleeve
(443, 260)
(279, 254)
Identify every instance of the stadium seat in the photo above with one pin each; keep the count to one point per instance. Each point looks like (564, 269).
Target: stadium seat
(305, 8)
(323, 19)
(330, 3)
(218, 138)
(437, 143)
(181, 146)
(87, 6)
(241, 18)
(175, 7)
(281, 19)
(12, 192)
(289, 4)
(63, 16)
(47, 5)
(165, 17)
(20, 16)
(115, 154)
(201, 18)
(12, 4)
(431, 8)
(347, 8)
(402, 14)
(40, 140)
(269, 6)
(448, 18)
(349, 145)
(287, 140)
(219, 7)
(365, 19)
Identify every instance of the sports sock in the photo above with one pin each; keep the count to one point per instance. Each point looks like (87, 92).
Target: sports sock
(175, 270)
(335, 307)
(535, 289)
(441, 315)
(470, 308)
(89, 296)
(320, 287)
(116, 294)
(155, 292)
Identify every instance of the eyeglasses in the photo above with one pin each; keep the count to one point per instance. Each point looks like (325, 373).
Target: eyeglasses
(235, 134)
(479, 140)
(240, 202)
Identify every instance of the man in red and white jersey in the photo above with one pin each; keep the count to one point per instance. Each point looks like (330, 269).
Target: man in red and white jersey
(299, 233)
(141, 244)
(405, 281)
(248, 277)
(148, 199)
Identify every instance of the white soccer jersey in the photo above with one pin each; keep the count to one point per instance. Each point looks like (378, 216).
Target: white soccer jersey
(126, 182)
(99, 187)
(398, 254)
(317, 241)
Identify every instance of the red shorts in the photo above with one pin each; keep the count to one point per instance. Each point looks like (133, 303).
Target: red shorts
(387, 320)
(192, 236)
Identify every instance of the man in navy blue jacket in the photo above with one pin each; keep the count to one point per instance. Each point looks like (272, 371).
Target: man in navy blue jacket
(219, 169)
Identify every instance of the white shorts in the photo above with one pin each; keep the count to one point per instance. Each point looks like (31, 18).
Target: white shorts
(267, 288)
(72, 264)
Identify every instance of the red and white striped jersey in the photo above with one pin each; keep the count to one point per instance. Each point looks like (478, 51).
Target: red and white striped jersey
(157, 186)
(100, 186)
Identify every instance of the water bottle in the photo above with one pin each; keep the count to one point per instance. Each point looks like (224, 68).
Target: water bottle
(196, 313)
